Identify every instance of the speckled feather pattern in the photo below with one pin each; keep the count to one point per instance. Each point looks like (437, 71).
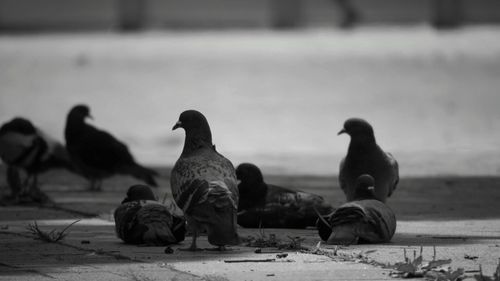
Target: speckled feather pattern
(205, 164)
(370, 220)
(148, 222)
(284, 208)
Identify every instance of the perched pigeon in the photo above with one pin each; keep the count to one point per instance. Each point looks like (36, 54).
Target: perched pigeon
(25, 147)
(363, 220)
(364, 156)
(141, 219)
(204, 184)
(271, 206)
(97, 154)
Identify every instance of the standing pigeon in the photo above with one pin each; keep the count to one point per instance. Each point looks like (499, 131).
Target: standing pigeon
(25, 147)
(97, 154)
(204, 184)
(271, 206)
(364, 156)
(141, 219)
(363, 220)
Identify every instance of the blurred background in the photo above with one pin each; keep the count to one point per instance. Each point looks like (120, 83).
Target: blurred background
(275, 78)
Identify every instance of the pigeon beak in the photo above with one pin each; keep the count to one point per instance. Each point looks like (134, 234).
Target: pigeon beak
(343, 131)
(90, 117)
(177, 125)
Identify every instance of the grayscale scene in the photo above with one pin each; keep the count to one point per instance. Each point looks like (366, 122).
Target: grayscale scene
(249, 140)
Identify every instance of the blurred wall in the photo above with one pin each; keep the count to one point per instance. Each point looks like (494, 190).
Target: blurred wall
(136, 14)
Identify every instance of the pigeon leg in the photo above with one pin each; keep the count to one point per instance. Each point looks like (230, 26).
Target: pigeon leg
(35, 193)
(14, 181)
(95, 184)
(99, 185)
(92, 183)
(193, 246)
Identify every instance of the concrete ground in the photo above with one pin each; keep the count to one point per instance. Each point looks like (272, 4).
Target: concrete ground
(91, 250)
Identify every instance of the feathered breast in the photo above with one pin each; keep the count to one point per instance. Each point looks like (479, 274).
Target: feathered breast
(204, 176)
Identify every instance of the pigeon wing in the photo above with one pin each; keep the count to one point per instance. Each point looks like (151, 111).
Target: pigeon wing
(101, 150)
(395, 172)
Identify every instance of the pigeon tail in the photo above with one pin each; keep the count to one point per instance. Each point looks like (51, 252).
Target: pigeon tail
(370, 221)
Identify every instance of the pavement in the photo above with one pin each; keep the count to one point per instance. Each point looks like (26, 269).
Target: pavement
(91, 250)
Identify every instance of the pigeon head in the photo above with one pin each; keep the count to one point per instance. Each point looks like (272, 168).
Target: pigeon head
(365, 187)
(249, 173)
(79, 112)
(18, 125)
(197, 130)
(359, 130)
(139, 192)
(252, 188)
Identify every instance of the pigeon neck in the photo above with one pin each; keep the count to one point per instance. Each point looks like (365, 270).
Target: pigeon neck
(197, 139)
(73, 126)
(364, 143)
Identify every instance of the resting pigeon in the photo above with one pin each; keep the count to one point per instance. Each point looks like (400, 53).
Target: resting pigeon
(363, 220)
(97, 154)
(364, 156)
(141, 219)
(271, 206)
(25, 147)
(204, 184)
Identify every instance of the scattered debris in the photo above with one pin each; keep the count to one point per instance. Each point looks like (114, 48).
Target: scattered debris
(294, 243)
(431, 270)
(282, 255)
(250, 260)
(468, 257)
(169, 250)
(52, 236)
(85, 242)
(271, 274)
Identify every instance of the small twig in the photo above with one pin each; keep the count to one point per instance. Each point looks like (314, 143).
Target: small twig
(321, 217)
(247, 260)
(52, 236)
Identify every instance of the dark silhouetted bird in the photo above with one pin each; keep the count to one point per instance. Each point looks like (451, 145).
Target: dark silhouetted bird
(271, 206)
(363, 220)
(25, 147)
(141, 219)
(97, 154)
(364, 156)
(204, 184)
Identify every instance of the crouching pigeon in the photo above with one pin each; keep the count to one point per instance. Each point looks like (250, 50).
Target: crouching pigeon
(141, 219)
(97, 154)
(271, 206)
(204, 184)
(363, 220)
(364, 156)
(24, 147)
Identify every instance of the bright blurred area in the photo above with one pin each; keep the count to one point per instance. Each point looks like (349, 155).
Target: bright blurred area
(276, 79)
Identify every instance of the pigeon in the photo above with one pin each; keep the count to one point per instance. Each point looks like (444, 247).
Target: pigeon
(24, 147)
(364, 156)
(141, 219)
(97, 154)
(363, 220)
(270, 206)
(204, 184)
